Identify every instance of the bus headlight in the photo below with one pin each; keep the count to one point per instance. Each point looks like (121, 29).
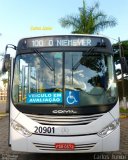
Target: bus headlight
(108, 129)
(19, 128)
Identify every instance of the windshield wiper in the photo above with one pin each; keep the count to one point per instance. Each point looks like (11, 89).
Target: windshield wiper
(78, 63)
(44, 60)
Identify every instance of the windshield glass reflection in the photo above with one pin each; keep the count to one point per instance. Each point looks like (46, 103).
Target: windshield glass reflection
(92, 76)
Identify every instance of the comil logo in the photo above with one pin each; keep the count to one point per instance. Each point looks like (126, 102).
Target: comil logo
(64, 112)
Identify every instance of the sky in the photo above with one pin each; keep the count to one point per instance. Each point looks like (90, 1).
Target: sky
(19, 17)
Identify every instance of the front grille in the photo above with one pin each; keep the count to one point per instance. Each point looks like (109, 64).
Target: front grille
(64, 120)
(51, 147)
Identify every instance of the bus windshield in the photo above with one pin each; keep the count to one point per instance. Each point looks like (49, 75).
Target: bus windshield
(64, 78)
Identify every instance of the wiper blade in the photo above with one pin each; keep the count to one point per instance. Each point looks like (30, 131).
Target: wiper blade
(44, 60)
(78, 63)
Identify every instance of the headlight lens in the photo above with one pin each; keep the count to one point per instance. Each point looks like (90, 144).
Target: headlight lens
(108, 129)
(19, 128)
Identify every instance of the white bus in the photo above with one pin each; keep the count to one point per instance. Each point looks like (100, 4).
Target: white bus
(63, 95)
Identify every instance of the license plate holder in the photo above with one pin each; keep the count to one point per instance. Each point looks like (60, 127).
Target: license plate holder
(65, 146)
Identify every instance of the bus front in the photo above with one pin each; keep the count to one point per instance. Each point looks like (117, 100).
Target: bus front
(64, 95)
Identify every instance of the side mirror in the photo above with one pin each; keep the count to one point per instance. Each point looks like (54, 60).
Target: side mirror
(6, 63)
(124, 64)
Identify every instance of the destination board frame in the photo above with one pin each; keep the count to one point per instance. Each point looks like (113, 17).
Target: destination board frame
(63, 41)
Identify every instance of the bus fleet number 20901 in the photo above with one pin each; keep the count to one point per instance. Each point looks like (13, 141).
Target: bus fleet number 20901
(43, 130)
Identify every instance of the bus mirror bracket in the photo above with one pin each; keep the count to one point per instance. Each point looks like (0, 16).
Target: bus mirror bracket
(6, 60)
(6, 63)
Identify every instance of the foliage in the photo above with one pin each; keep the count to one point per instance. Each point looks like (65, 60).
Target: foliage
(124, 47)
(5, 81)
(123, 110)
(89, 20)
(124, 53)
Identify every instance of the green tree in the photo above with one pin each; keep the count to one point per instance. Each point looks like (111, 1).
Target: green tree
(5, 82)
(123, 81)
(124, 53)
(89, 20)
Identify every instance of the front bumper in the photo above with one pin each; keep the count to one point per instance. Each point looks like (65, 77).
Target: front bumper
(83, 144)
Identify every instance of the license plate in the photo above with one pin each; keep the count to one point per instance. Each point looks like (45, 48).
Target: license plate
(64, 146)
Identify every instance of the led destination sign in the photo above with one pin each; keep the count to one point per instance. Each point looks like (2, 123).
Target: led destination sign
(68, 41)
(60, 42)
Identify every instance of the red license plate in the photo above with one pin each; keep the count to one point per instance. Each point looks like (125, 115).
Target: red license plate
(65, 146)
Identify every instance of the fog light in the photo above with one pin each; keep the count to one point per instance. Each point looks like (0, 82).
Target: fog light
(109, 129)
(19, 128)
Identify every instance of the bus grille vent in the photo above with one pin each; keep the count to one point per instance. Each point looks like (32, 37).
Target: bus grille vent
(51, 147)
(64, 120)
